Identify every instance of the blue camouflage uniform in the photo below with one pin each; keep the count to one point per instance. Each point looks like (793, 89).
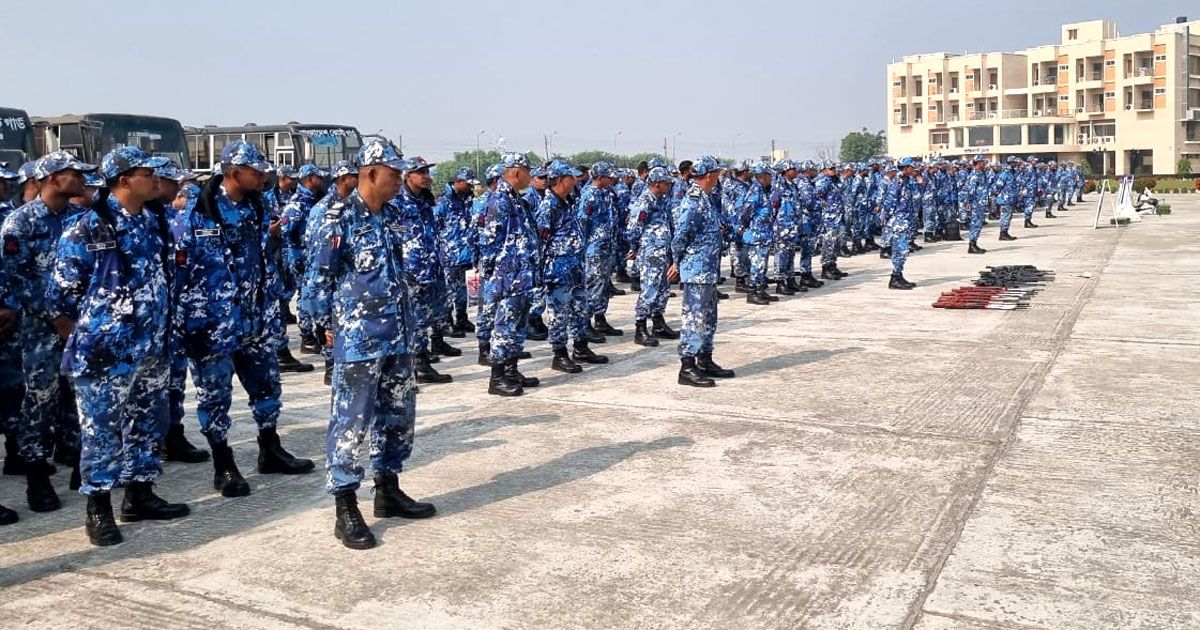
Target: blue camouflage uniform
(788, 213)
(733, 194)
(422, 266)
(295, 214)
(230, 291)
(558, 227)
(649, 232)
(696, 248)
(1006, 188)
(807, 211)
(456, 240)
(977, 192)
(828, 198)
(485, 256)
(598, 220)
(12, 377)
(110, 278)
(757, 223)
(516, 267)
(31, 234)
(363, 298)
(312, 225)
(901, 204)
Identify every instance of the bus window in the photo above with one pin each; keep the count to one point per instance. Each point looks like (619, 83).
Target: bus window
(285, 158)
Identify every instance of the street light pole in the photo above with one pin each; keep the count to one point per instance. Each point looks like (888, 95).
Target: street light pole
(477, 151)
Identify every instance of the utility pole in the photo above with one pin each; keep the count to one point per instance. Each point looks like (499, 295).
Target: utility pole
(665, 154)
(546, 144)
(772, 156)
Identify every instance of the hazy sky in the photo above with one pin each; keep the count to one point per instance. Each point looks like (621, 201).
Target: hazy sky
(438, 72)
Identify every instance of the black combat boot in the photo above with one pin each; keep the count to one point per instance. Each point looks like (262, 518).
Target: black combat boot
(177, 448)
(141, 504)
(740, 286)
(721, 295)
(485, 351)
(583, 354)
(350, 527)
(391, 501)
(40, 492)
(1030, 224)
(14, 464)
(845, 251)
(898, 282)
(1050, 215)
(642, 336)
(914, 247)
(837, 271)
(885, 252)
(635, 285)
(754, 296)
(660, 328)
(974, 248)
(536, 331)
(289, 363)
(782, 287)
(461, 323)
(808, 280)
(308, 344)
(500, 384)
(613, 290)
(227, 479)
(7, 516)
(562, 361)
(426, 373)
(691, 375)
(592, 335)
(797, 286)
(870, 245)
(858, 248)
(274, 459)
(1005, 236)
(602, 326)
(515, 375)
(704, 362)
(827, 273)
(101, 527)
(929, 238)
(76, 478)
(438, 345)
(762, 292)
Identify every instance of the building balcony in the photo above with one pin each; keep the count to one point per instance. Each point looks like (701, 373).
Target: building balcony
(1141, 76)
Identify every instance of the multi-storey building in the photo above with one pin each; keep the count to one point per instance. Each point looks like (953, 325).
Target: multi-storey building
(1126, 104)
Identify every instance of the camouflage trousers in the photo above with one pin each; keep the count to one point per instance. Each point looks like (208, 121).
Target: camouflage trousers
(566, 311)
(1006, 211)
(739, 256)
(257, 369)
(897, 236)
(49, 403)
(831, 240)
(12, 387)
(808, 244)
(429, 313)
(597, 269)
(785, 261)
(699, 319)
(456, 289)
(652, 270)
(757, 254)
(176, 384)
(509, 327)
(977, 212)
(123, 419)
(376, 395)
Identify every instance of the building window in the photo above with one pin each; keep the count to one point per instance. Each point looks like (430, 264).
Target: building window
(1063, 67)
(1073, 33)
(981, 136)
(1010, 134)
(940, 138)
(1160, 91)
(1064, 98)
(1110, 95)
(1110, 63)
(1160, 58)
(1039, 134)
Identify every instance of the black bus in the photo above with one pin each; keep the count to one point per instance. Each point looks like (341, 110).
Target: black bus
(288, 144)
(90, 136)
(16, 137)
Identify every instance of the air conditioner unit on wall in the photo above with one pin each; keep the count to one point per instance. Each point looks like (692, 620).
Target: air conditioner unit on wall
(954, 90)
(1128, 107)
(1080, 110)
(991, 86)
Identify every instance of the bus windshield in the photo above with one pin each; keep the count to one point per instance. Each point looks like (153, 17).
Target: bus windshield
(327, 145)
(157, 136)
(16, 137)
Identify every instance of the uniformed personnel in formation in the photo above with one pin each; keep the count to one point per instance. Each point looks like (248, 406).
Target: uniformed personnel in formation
(118, 281)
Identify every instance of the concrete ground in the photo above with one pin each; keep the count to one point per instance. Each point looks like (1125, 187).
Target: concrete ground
(876, 464)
